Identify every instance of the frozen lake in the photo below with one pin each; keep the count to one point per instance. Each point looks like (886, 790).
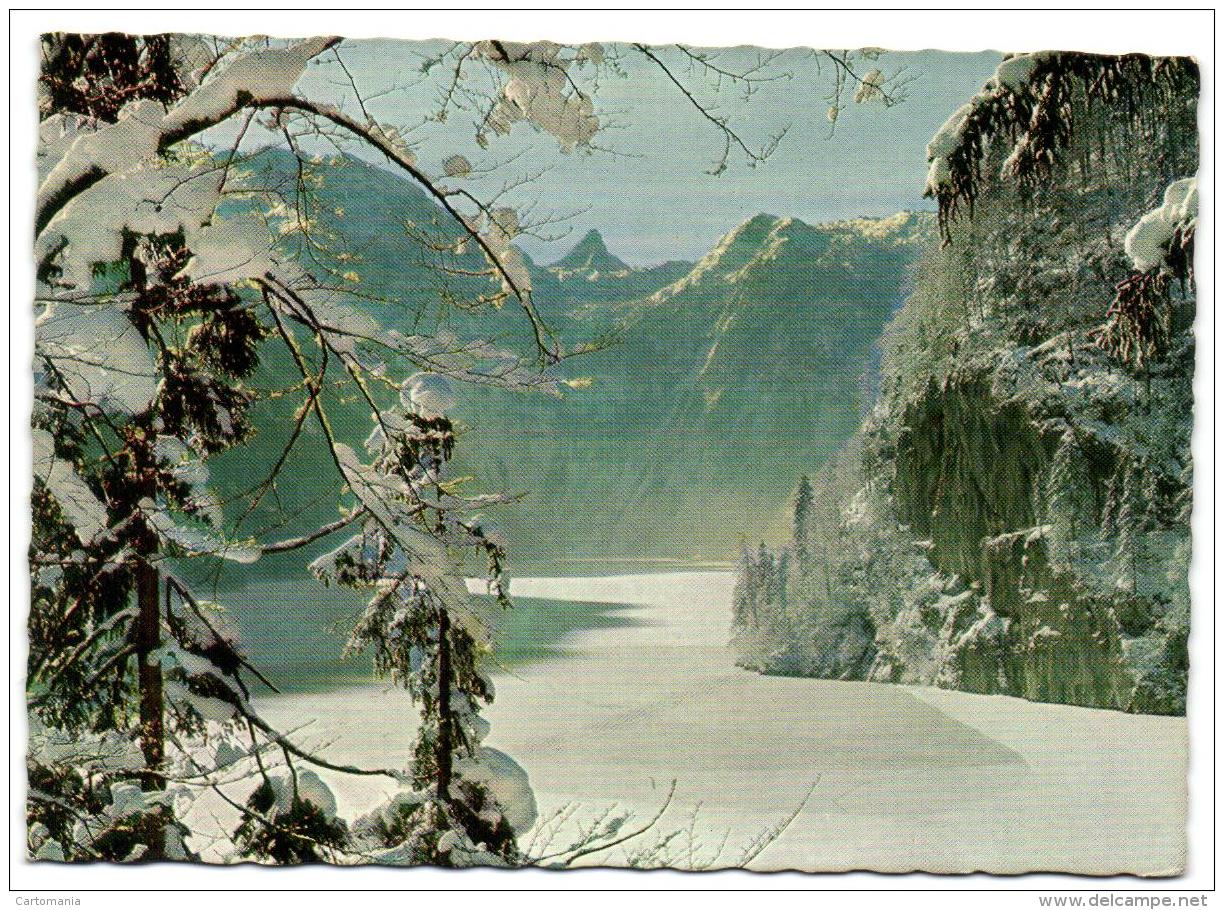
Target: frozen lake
(904, 778)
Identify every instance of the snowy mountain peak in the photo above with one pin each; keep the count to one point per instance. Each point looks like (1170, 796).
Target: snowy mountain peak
(767, 248)
(757, 226)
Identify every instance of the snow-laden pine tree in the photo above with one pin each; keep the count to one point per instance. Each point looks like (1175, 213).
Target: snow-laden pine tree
(168, 270)
(161, 285)
(801, 517)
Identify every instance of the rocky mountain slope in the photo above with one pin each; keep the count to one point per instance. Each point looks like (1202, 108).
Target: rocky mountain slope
(1014, 516)
(688, 427)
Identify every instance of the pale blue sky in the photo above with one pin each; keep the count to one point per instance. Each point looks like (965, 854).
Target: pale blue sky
(650, 196)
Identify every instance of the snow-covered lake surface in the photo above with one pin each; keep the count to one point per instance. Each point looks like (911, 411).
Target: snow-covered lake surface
(904, 778)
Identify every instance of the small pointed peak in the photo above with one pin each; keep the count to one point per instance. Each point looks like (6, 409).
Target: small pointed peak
(592, 243)
(590, 254)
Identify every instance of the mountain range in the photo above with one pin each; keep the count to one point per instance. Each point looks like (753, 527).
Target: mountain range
(716, 385)
(723, 386)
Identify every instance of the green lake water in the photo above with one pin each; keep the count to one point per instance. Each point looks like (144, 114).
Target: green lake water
(294, 630)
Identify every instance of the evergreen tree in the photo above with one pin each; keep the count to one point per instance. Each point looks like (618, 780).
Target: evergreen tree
(744, 596)
(114, 472)
(149, 327)
(801, 519)
(425, 633)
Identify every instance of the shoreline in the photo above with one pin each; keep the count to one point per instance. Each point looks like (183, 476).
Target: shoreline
(901, 777)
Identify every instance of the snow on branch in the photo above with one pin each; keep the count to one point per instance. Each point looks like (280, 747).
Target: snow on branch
(81, 507)
(1148, 242)
(1139, 324)
(96, 355)
(539, 90)
(144, 129)
(1030, 103)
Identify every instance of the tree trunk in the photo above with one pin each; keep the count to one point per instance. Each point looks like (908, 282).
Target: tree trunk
(445, 747)
(149, 674)
(149, 679)
(151, 701)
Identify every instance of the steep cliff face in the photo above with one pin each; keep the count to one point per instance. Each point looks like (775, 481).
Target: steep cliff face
(968, 474)
(964, 471)
(1027, 466)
